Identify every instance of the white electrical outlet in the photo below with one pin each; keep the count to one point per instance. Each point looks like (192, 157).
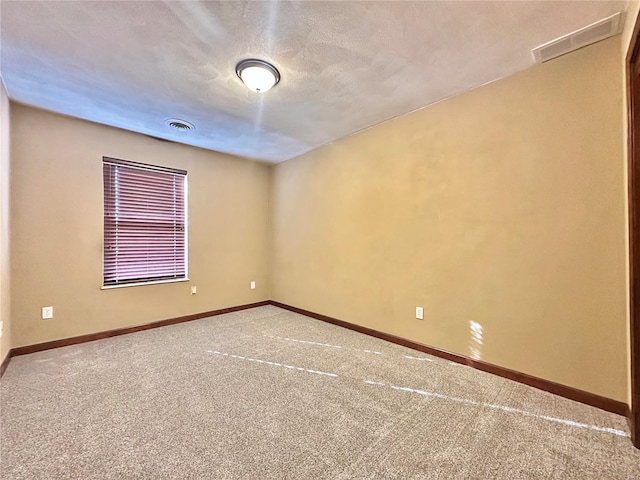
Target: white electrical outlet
(194, 290)
(419, 313)
(253, 285)
(47, 313)
(1, 327)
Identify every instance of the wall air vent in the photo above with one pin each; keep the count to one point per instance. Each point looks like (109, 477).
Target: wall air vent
(180, 125)
(593, 33)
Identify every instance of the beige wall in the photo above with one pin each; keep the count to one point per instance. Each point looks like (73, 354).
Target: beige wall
(504, 206)
(5, 341)
(631, 16)
(56, 229)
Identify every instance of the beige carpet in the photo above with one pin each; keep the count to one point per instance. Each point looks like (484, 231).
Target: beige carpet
(266, 393)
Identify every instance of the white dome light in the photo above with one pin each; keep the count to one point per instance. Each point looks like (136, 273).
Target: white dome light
(257, 75)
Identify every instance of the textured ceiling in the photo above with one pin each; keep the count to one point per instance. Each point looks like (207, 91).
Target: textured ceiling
(345, 65)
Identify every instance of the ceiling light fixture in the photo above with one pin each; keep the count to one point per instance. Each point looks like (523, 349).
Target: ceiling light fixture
(258, 75)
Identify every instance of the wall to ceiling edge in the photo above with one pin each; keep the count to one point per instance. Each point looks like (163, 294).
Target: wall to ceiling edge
(57, 229)
(504, 206)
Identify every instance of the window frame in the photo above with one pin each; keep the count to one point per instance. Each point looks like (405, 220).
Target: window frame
(149, 168)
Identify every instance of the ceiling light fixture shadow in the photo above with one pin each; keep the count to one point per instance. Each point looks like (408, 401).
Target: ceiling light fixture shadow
(258, 75)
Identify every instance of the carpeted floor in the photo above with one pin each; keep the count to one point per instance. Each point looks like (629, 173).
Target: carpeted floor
(266, 393)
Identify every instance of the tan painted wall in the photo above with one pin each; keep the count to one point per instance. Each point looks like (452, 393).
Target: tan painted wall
(629, 22)
(5, 341)
(504, 206)
(56, 229)
(625, 40)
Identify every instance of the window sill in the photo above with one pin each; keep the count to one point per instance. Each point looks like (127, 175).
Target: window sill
(158, 282)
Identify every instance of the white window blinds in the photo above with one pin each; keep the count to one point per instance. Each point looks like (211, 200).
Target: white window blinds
(144, 223)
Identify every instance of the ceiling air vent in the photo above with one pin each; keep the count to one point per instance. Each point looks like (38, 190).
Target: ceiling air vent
(593, 33)
(180, 125)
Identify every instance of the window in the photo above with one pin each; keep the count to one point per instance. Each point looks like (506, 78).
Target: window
(144, 223)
